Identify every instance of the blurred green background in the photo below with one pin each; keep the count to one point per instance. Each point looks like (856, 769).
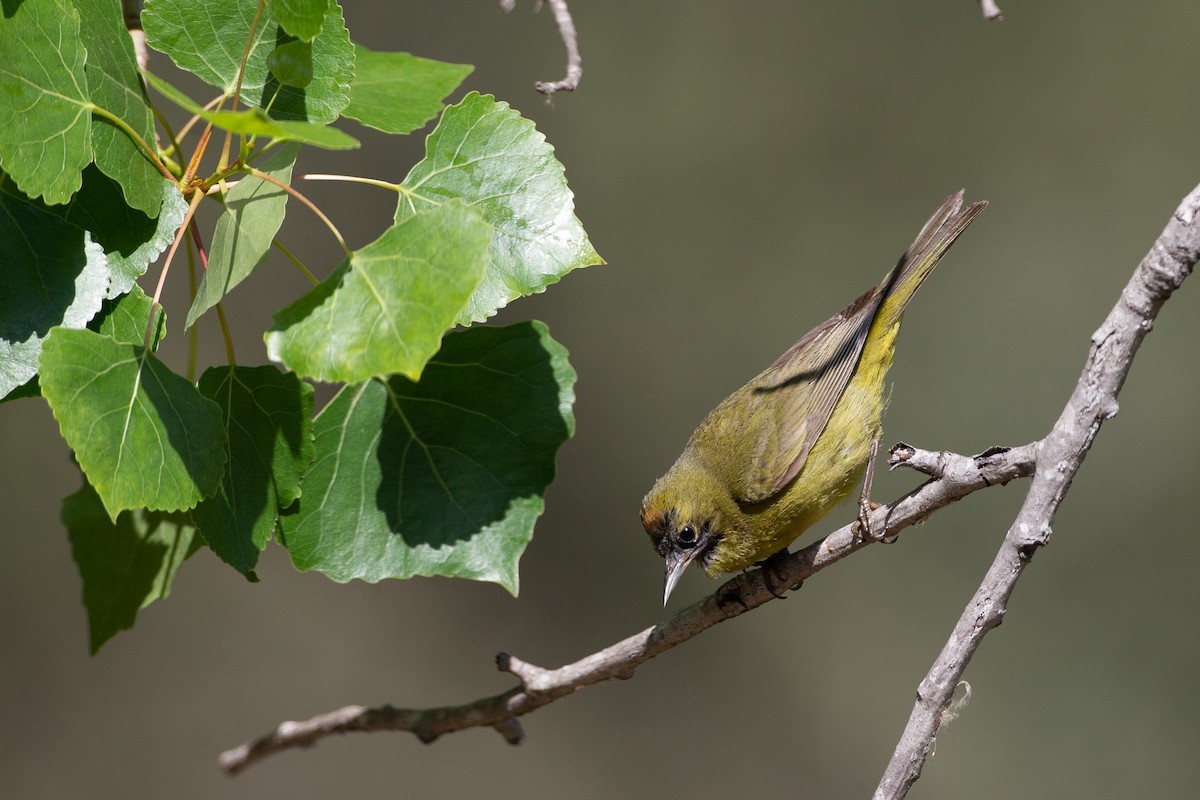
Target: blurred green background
(746, 170)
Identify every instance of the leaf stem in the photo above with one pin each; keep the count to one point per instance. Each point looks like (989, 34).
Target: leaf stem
(200, 249)
(311, 205)
(320, 176)
(162, 275)
(225, 335)
(299, 264)
(237, 92)
(132, 134)
(193, 334)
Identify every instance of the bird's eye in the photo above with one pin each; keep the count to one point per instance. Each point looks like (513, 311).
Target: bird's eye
(687, 536)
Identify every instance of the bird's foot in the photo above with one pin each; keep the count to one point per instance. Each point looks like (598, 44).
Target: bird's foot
(866, 505)
(774, 574)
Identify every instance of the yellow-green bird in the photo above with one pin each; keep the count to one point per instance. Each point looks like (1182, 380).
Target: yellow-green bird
(780, 452)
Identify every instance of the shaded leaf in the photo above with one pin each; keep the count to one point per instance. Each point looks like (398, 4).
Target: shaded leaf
(126, 564)
(208, 39)
(302, 18)
(444, 477)
(399, 92)
(113, 84)
(267, 414)
(124, 319)
(385, 309)
(131, 240)
(45, 122)
(253, 212)
(487, 155)
(143, 435)
(54, 274)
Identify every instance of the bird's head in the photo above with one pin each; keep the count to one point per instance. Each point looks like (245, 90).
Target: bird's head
(684, 521)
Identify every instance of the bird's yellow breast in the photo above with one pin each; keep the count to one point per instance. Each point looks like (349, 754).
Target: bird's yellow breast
(831, 472)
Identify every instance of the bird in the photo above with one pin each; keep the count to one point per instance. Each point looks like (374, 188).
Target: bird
(780, 452)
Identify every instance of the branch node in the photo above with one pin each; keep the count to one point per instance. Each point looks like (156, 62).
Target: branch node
(511, 730)
(899, 455)
(990, 10)
(533, 678)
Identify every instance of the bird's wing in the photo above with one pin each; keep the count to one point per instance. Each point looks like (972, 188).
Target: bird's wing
(797, 395)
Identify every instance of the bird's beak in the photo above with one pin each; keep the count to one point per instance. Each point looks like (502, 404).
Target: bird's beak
(677, 563)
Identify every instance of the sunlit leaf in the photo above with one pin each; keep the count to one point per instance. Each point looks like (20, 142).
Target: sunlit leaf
(208, 39)
(487, 155)
(442, 477)
(291, 63)
(253, 212)
(45, 119)
(399, 92)
(114, 85)
(255, 122)
(302, 18)
(144, 436)
(385, 309)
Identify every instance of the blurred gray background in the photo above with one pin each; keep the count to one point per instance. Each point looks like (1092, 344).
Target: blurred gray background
(746, 170)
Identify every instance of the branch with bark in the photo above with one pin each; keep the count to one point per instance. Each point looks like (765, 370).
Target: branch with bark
(1051, 461)
(570, 38)
(990, 10)
(1059, 456)
(952, 478)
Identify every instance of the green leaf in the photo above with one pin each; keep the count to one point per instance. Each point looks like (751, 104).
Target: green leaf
(302, 18)
(267, 414)
(131, 240)
(386, 308)
(486, 154)
(253, 212)
(45, 125)
(208, 39)
(143, 435)
(113, 84)
(441, 477)
(291, 63)
(399, 92)
(126, 564)
(255, 122)
(124, 319)
(53, 274)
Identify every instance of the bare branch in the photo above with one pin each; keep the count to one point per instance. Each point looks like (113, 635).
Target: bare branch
(954, 477)
(991, 10)
(131, 11)
(1059, 457)
(566, 29)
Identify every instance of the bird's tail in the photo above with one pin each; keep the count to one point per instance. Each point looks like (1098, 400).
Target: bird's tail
(950, 220)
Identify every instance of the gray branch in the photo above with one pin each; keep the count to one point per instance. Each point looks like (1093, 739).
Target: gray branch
(1059, 457)
(570, 38)
(1052, 461)
(953, 477)
(990, 10)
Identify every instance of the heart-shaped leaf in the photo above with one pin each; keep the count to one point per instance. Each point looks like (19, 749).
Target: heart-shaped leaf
(441, 477)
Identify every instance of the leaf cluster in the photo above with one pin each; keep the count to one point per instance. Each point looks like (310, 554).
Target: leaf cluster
(433, 455)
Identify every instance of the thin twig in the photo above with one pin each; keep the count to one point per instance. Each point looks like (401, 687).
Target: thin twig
(1059, 457)
(955, 476)
(990, 10)
(566, 29)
